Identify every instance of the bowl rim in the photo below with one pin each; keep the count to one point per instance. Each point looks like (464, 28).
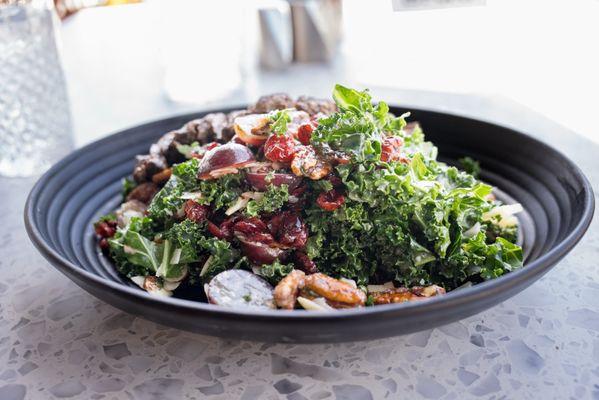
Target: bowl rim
(452, 299)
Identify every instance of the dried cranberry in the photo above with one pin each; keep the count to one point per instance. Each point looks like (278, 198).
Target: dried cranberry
(250, 226)
(105, 229)
(225, 230)
(262, 237)
(391, 147)
(299, 191)
(253, 229)
(335, 180)
(289, 230)
(298, 202)
(280, 148)
(195, 212)
(236, 139)
(304, 133)
(216, 231)
(303, 262)
(331, 200)
(104, 244)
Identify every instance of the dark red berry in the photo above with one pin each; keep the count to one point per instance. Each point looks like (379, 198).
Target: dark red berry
(104, 244)
(303, 262)
(391, 147)
(280, 148)
(288, 229)
(304, 133)
(105, 229)
(331, 200)
(195, 212)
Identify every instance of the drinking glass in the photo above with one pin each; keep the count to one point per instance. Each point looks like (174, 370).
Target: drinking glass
(35, 120)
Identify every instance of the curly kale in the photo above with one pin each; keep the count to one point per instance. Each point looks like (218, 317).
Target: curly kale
(274, 272)
(183, 185)
(404, 221)
(217, 255)
(273, 199)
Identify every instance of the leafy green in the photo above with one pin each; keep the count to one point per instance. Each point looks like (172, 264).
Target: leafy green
(279, 120)
(416, 221)
(274, 198)
(195, 247)
(137, 255)
(111, 217)
(401, 221)
(128, 186)
(168, 202)
(274, 272)
(220, 193)
(470, 165)
(187, 149)
(359, 128)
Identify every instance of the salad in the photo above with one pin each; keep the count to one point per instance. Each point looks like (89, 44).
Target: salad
(310, 204)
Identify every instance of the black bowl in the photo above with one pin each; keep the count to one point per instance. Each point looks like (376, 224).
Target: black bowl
(557, 198)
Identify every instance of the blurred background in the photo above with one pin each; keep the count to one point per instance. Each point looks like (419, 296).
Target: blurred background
(126, 62)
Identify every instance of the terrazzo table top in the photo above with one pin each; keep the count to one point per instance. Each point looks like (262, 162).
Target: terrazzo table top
(57, 341)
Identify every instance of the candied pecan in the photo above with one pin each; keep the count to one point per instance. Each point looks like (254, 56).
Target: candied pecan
(285, 293)
(128, 210)
(427, 291)
(228, 132)
(306, 162)
(397, 295)
(167, 145)
(143, 192)
(162, 176)
(402, 294)
(335, 290)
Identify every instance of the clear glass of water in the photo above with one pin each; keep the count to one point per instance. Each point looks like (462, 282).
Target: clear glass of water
(35, 120)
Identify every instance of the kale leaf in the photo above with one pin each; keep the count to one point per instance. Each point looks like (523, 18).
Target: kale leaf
(279, 120)
(216, 254)
(417, 222)
(470, 165)
(184, 184)
(274, 272)
(273, 199)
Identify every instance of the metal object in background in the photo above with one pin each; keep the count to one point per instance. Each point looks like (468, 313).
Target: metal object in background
(411, 5)
(276, 41)
(35, 120)
(316, 29)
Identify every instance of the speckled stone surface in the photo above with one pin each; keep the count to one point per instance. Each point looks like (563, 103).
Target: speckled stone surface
(57, 341)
